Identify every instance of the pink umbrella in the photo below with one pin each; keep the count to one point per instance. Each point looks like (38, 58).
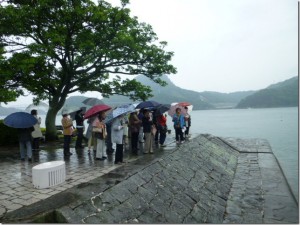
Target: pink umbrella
(95, 110)
(173, 108)
(184, 104)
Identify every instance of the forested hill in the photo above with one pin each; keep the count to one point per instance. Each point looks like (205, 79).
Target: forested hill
(172, 93)
(282, 94)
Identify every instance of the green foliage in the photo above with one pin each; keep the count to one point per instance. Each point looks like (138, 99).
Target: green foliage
(8, 135)
(10, 89)
(60, 47)
(76, 45)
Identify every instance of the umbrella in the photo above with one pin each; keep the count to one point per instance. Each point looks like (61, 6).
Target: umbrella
(20, 120)
(147, 104)
(162, 109)
(120, 110)
(92, 101)
(73, 114)
(184, 104)
(95, 110)
(173, 108)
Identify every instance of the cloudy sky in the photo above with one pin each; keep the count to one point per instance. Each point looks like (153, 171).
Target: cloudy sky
(225, 45)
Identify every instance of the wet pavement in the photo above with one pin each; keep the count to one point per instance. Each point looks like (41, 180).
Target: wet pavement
(16, 188)
(207, 179)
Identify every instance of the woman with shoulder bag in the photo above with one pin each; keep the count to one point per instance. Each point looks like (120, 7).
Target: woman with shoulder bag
(99, 128)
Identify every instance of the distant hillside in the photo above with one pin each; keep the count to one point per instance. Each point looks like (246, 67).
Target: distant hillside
(224, 100)
(172, 93)
(4, 111)
(282, 94)
(167, 94)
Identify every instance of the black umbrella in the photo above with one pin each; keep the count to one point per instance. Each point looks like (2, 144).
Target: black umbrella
(92, 101)
(162, 109)
(147, 104)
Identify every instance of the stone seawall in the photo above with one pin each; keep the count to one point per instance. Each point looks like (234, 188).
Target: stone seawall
(207, 180)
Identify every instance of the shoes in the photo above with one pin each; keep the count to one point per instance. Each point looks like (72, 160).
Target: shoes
(29, 159)
(68, 154)
(145, 152)
(22, 159)
(177, 142)
(101, 159)
(181, 142)
(151, 152)
(163, 145)
(141, 141)
(104, 157)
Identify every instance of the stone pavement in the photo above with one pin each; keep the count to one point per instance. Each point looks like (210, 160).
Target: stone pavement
(205, 180)
(16, 188)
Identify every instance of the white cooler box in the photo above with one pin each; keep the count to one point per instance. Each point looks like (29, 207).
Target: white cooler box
(48, 174)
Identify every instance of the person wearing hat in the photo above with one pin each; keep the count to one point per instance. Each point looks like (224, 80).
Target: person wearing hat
(67, 125)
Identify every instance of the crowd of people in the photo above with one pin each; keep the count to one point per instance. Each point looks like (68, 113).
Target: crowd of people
(144, 126)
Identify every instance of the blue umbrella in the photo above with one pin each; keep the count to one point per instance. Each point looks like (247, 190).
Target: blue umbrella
(147, 104)
(120, 110)
(20, 120)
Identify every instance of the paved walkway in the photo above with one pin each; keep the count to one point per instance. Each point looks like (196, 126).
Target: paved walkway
(16, 188)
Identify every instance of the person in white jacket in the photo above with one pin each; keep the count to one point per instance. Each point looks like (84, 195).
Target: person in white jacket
(37, 133)
(117, 131)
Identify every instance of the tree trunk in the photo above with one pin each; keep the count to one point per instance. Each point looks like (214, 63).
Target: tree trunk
(51, 132)
(56, 102)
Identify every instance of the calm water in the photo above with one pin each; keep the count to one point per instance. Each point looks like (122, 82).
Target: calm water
(278, 125)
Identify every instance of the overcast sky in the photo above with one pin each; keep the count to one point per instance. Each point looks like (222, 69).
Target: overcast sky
(225, 45)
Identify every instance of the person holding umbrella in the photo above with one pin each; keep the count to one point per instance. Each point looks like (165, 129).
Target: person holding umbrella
(79, 127)
(90, 135)
(37, 133)
(67, 125)
(161, 121)
(179, 125)
(25, 143)
(147, 127)
(187, 119)
(99, 128)
(117, 131)
(134, 126)
(24, 123)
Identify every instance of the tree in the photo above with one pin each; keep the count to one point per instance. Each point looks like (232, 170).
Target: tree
(10, 88)
(63, 46)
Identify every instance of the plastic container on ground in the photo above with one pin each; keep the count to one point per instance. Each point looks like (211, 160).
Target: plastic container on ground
(48, 174)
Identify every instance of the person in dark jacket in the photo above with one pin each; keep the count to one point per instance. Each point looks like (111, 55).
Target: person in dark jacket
(134, 127)
(79, 128)
(187, 119)
(25, 142)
